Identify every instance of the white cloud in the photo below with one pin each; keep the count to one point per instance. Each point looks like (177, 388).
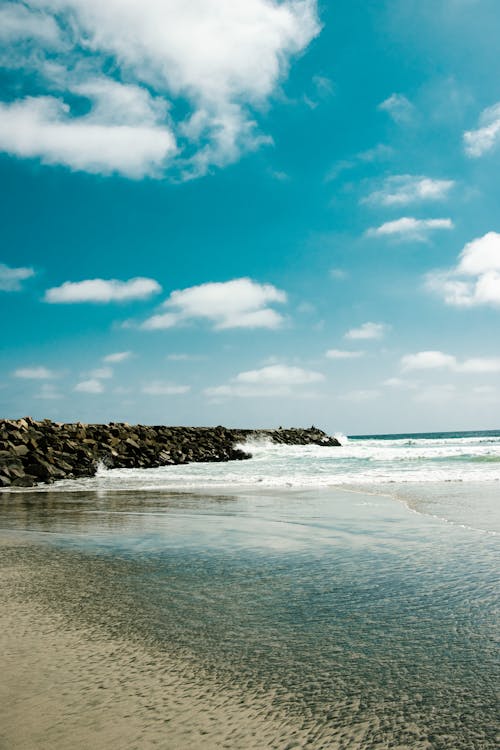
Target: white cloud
(475, 280)
(480, 256)
(42, 127)
(117, 357)
(102, 290)
(433, 360)
(409, 228)
(17, 23)
(401, 190)
(240, 303)
(427, 360)
(481, 365)
(35, 373)
(158, 388)
(281, 374)
(223, 59)
(273, 380)
(487, 136)
(90, 386)
(102, 373)
(399, 108)
(159, 322)
(368, 330)
(11, 278)
(342, 354)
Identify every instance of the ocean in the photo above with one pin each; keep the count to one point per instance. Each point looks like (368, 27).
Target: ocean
(353, 590)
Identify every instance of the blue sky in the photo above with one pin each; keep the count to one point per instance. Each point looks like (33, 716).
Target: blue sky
(251, 213)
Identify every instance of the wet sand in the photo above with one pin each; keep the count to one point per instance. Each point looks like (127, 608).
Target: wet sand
(62, 687)
(333, 620)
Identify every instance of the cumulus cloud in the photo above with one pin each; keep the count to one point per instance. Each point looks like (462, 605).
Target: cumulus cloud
(436, 360)
(158, 388)
(368, 330)
(487, 136)
(475, 280)
(89, 386)
(399, 108)
(11, 278)
(273, 380)
(240, 303)
(222, 59)
(116, 357)
(102, 290)
(35, 373)
(100, 142)
(409, 228)
(401, 190)
(342, 354)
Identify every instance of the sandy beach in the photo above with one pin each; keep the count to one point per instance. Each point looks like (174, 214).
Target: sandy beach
(64, 687)
(261, 620)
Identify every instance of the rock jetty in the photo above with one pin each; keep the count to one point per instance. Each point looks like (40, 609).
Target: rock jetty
(33, 452)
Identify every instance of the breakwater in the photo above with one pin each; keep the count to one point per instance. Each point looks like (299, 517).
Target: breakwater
(43, 451)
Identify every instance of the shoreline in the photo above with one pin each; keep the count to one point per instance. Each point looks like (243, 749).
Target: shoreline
(139, 632)
(34, 452)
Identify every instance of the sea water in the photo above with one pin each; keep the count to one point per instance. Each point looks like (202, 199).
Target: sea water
(356, 586)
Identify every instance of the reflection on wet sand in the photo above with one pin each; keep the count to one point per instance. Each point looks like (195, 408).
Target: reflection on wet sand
(307, 619)
(54, 511)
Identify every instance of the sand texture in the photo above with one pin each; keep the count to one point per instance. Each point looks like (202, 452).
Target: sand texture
(102, 647)
(64, 688)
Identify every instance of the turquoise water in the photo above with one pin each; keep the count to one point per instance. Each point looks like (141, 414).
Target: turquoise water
(366, 611)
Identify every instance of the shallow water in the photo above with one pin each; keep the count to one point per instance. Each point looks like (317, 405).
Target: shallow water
(366, 616)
